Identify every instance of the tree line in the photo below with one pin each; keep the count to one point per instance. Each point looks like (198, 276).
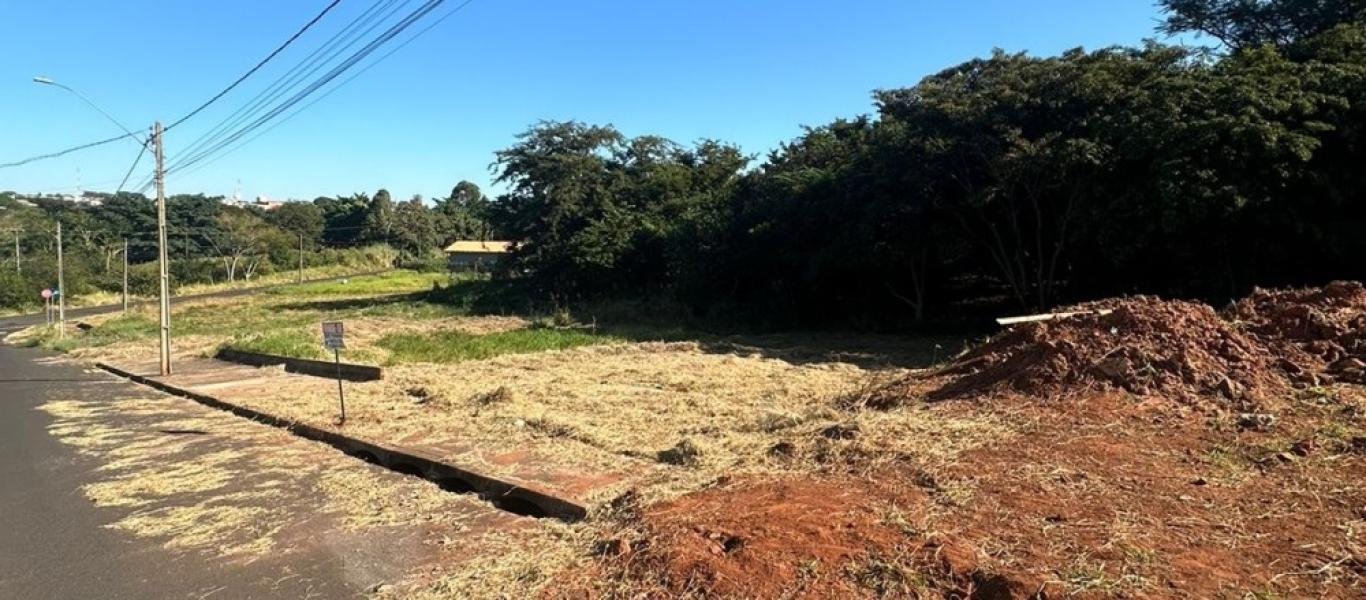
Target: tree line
(209, 240)
(1011, 182)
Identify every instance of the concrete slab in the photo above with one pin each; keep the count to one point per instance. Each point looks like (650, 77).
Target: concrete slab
(535, 477)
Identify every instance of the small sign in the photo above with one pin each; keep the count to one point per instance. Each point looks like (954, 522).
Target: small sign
(47, 294)
(333, 334)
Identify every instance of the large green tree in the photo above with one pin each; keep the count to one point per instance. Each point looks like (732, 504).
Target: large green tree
(414, 230)
(299, 219)
(378, 227)
(464, 215)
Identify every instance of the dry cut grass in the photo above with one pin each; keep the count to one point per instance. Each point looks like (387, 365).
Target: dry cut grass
(671, 416)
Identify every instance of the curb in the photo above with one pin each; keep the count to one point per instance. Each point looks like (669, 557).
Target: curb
(303, 366)
(504, 495)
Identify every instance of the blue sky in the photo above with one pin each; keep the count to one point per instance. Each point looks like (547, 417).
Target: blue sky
(751, 72)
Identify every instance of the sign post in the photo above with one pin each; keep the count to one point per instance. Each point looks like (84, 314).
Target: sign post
(334, 339)
(60, 310)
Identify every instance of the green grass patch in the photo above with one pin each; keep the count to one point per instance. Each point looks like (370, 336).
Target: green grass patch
(299, 344)
(294, 344)
(393, 282)
(455, 346)
(118, 329)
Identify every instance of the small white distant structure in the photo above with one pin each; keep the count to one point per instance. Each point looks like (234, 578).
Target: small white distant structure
(83, 198)
(265, 203)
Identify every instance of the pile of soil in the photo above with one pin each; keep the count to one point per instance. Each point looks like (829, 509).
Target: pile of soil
(1145, 345)
(791, 538)
(1319, 333)
(754, 540)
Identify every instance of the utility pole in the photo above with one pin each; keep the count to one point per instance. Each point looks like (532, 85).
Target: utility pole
(17, 270)
(125, 274)
(61, 286)
(161, 253)
(301, 258)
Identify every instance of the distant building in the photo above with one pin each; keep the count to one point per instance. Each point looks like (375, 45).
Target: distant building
(476, 255)
(265, 203)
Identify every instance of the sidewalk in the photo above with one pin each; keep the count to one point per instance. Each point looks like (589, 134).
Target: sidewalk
(514, 472)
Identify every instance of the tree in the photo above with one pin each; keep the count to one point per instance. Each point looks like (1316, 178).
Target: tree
(343, 218)
(595, 212)
(379, 219)
(561, 176)
(1246, 23)
(298, 219)
(242, 240)
(414, 228)
(191, 221)
(464, 215)
(1014, 156)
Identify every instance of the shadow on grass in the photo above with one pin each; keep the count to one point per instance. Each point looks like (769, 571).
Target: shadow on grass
(649, 322)
(864, 350)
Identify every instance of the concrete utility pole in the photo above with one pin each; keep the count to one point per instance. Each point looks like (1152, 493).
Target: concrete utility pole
(125, 274)
(61, 286)
(161, 253)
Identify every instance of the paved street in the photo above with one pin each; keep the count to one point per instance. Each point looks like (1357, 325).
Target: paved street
(113, 491)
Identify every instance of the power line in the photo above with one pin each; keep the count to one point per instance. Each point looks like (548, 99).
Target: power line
(304, 68)
(309, 65)
(339, 69)
(334, 88)
(192, 113)
(130, 169)
(66, 151)
(263, 62)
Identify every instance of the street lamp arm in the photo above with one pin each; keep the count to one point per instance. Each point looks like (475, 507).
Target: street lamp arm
(49, 81)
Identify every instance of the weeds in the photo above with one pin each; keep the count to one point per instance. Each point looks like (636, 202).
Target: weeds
(886, 579)
(457, 346)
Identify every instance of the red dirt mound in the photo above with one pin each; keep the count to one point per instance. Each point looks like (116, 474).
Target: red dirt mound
(1146, 346)
(756, 541)
(794, 538)
(1319, 332)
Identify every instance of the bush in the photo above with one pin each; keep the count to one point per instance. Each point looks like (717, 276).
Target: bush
(17, 291)
(434, 262)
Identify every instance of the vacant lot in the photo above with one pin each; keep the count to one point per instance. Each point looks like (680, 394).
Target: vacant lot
(1157, 450)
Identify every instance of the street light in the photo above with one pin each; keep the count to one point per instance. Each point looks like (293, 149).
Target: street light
(162, 260)
(48, 81)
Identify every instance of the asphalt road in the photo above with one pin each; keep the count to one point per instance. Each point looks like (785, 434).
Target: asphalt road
(55, 543)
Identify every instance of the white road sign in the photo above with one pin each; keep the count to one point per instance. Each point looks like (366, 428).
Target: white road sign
(333, 334)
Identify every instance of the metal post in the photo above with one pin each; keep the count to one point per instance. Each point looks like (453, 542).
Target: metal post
(301, 258)
(125, 274)
(161, 254)
(341, 394)
(61, 286)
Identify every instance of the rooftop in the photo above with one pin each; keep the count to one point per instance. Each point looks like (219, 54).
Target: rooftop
(482, 246)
